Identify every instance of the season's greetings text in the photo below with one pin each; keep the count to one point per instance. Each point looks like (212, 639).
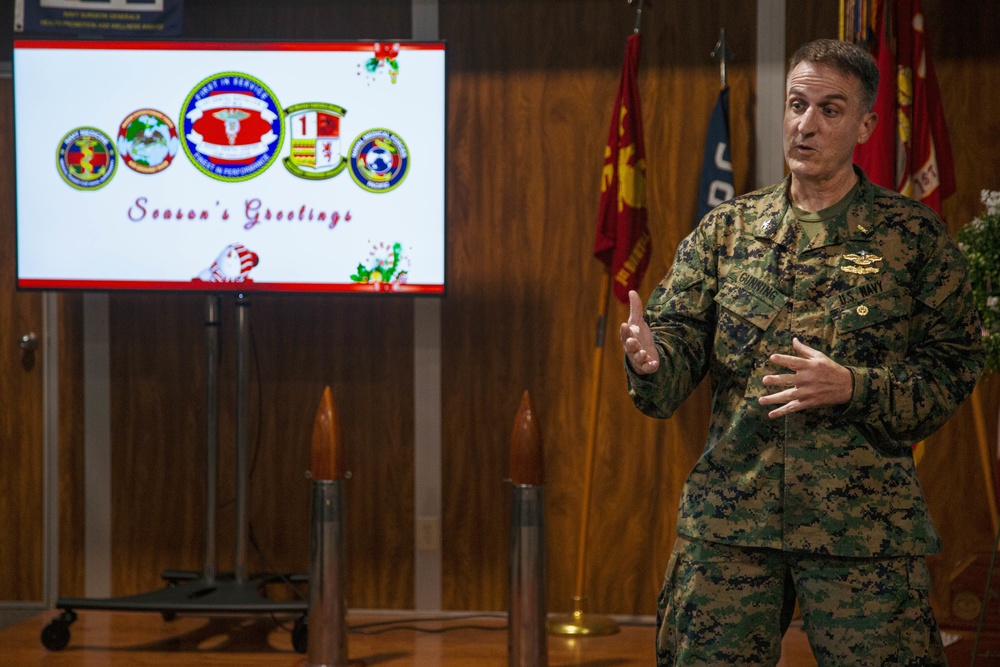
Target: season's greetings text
(253, 213)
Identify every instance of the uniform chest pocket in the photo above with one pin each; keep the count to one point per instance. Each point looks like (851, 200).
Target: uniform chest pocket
(860, 308)
(871, 324)
(750, 306)
(740, 329)
(744, 317)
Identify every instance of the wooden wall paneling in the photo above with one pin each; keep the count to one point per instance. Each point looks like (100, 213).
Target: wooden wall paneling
(358, 346)
(667, 137)
(21, 421)
(966, 62)
(71, 461)
(519, 314)
(647, 460)
(157, 467)
(498, 317)
(806, 21)
(362, 348)
(952, 477)
(518, 181)
(533, 328)
(530, 92)
(297, 19)
(158, 394)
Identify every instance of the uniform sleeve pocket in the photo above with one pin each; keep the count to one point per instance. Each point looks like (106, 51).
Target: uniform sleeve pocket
(918, 574)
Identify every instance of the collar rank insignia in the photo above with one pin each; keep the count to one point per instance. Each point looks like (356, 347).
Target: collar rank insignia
(861, 262)
(767, 227)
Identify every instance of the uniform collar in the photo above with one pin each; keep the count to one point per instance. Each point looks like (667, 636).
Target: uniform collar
(774, 223)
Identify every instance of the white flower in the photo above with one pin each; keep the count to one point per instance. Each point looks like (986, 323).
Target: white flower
(992, 302)
(991, 199)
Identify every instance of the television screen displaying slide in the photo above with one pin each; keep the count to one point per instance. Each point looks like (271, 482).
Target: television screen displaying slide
(274, 166)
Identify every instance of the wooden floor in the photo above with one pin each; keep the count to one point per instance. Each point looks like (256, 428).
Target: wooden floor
(384, 639)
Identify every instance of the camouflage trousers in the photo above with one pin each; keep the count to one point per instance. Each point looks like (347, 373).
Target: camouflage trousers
(727, 605)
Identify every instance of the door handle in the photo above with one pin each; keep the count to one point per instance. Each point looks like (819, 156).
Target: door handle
(28, 342)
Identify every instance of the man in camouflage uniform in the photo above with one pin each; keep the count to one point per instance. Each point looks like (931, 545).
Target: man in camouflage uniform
(836, 322)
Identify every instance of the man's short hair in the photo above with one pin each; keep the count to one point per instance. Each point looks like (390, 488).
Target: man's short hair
(845, 57)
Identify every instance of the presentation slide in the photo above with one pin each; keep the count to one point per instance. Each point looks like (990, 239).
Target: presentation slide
(273, 166)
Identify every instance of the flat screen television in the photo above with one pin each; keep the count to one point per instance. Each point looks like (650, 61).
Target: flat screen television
(225, 166)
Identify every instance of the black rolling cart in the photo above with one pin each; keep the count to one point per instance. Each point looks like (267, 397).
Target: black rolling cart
(206, 592)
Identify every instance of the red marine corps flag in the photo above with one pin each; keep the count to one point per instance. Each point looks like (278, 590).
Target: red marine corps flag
(909, 151)
(911, 154)
(622, 243)
(623, 240)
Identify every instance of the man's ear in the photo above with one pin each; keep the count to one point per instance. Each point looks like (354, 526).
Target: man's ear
(868, 123)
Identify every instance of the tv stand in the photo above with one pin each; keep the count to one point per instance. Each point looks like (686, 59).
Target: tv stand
(206, 592)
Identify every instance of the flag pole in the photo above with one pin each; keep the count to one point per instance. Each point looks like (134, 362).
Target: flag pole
(722, 53)
(638, 16)
(979, 421)
(579, 622)
(622, 243)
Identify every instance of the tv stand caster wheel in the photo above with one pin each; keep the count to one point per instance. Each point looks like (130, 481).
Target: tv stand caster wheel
(300, 635)
(55, 635)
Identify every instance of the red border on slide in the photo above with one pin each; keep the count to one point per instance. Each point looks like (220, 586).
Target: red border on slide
(249, 45)
(179, 45)
(178, 286)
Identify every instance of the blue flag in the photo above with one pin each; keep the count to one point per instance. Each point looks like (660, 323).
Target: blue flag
(716, 169)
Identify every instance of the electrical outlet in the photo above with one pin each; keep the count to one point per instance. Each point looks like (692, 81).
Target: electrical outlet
(428, 533)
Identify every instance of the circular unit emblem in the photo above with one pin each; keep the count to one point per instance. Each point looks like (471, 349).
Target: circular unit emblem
(379, 160)
(147, 141)
(233, 126)
(314, 133)
(86, 158)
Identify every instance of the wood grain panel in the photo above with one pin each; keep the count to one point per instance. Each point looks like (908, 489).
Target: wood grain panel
(157, 437)
(296, 19)
(357, 345)
(806, 21)
(513, 323)
(964, 63)
(360, 347)
(527, 135)
(71, 460)
(530, 93)
(21, 411)
(952, 475)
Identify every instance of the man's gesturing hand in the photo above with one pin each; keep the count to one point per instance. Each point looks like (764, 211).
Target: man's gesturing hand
(637, 339)
(816, 380)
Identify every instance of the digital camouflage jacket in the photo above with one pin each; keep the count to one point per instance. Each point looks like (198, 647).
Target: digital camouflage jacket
(881, 290)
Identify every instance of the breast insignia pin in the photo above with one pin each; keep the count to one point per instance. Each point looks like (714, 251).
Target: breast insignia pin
(861, 262)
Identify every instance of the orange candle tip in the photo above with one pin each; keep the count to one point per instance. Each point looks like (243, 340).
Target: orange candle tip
(526, 464)
(327, 453)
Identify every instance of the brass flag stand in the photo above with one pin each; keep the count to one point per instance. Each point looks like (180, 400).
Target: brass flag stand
(579, 622)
